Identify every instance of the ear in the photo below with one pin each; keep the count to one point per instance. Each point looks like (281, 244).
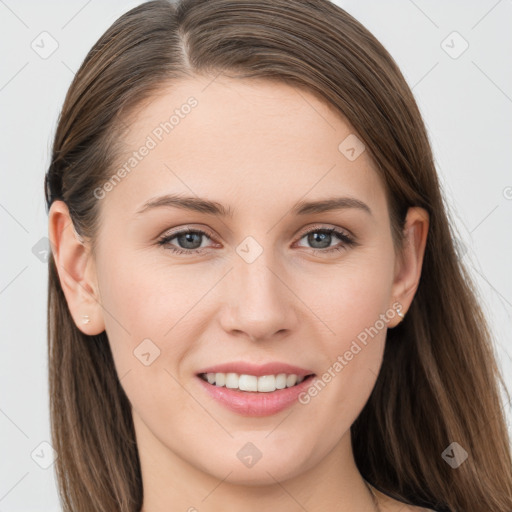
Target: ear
(75, 267)
(409, 261)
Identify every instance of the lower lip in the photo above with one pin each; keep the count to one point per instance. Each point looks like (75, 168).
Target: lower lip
(250, 403)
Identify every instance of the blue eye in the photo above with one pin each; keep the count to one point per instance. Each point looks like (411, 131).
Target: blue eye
(188, 237)
(190, 240)
(325, 238)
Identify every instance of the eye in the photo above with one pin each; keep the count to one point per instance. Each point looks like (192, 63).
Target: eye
(190, 240)
(321, 238)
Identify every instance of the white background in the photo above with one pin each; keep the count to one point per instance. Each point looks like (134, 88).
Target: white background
(466, 103)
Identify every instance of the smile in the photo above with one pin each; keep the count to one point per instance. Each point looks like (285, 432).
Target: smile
(252, 402)
(253, 383)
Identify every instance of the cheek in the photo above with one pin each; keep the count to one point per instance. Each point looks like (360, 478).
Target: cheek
(354, 306)
(350, 297)
(147, 298)
(133, 311)
(151, 315)
(143, 311)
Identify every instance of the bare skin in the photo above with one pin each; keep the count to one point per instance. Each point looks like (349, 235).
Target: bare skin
(257, 148)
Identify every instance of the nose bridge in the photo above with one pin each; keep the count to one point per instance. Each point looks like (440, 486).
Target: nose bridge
(257, 282)
(259, 301)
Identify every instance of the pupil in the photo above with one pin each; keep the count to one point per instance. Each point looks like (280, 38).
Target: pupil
(325, 237)
(187, 240)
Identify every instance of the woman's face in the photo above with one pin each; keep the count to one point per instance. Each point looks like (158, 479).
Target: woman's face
(253, 287)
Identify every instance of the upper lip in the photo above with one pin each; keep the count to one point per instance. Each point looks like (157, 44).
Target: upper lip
(246, 368)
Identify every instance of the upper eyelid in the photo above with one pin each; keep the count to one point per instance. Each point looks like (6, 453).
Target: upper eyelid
(327, 228)
(182, 231)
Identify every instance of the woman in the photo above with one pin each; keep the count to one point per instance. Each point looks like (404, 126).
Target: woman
(254, 297)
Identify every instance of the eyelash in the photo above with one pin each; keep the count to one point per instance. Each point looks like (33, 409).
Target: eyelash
(346, 239)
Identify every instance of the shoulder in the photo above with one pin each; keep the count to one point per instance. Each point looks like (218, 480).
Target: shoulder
(403, 507)
(388, 504)
(411, 508)
(399, 506)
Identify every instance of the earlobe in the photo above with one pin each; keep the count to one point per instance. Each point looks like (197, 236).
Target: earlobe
(410, 260)
(76, 270)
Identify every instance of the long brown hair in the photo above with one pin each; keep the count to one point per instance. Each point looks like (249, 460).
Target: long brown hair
(439, 382)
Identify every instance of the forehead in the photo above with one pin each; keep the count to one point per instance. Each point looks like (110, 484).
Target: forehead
(254, 140)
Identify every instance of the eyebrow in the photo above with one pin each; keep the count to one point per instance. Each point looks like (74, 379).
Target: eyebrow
(197, 204)
(326, 205)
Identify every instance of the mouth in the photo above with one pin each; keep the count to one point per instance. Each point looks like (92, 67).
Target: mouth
(252, 390)
(255, 384)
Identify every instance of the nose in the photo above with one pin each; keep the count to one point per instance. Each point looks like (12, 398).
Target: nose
(260, 303)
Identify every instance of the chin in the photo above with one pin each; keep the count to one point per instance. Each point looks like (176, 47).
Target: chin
(266, 466)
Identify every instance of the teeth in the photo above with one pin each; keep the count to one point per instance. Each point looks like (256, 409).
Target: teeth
(263, 384)
(232, 380)
(220, 379)
(246, 382)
